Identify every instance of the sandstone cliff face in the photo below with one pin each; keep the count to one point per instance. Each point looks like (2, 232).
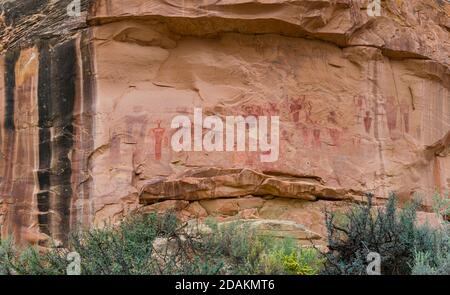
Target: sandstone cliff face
(87, 105)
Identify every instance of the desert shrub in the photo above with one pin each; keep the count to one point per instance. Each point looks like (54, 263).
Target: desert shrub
(232, 246)
(24, 261)
(426, 263)
(7, 253)
(304, 262)
(285, 257)
(241, 250)
(441, 205)
(160, 244)
(436, 261)
(124, 249)
(391, 232)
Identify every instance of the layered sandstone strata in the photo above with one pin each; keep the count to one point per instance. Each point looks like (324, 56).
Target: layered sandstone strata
(87, 105)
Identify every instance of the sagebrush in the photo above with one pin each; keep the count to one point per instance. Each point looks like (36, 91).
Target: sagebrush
(160, 244)
(389, 231)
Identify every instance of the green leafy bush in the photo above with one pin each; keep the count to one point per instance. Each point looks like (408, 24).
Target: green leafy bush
(391, 232)
(159, 244)
(436, 261)
(240, 250)
(431, 264)
(7, 253)
(286, 258)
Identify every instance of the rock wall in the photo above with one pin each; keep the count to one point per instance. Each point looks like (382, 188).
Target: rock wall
(87, 104)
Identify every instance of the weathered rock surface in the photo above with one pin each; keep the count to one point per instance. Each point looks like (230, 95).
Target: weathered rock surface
(86, 105)
(211, 183)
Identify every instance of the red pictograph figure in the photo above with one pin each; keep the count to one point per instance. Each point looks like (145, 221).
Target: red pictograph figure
(359, 100)
(298, 106)
(253, 110)
(368, 121)
(136, 124)
(273, 109)
(308, 111)
(295, 108)
(135, 128)
(391, 108)
(158, 134)
(305, 133)
(316, 134)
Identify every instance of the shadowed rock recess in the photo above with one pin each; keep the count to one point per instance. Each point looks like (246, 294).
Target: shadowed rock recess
(86, 105)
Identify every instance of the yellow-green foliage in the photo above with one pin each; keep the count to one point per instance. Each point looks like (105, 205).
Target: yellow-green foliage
(296, 264)
(288, 258)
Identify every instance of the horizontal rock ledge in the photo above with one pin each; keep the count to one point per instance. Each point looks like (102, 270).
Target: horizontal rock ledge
(215, 183)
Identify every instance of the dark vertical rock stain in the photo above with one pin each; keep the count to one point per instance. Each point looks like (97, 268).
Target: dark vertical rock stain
(62, 97)
(56, 96)
(9, 139)
(10, 86)
(45, 151)
(88, 84)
